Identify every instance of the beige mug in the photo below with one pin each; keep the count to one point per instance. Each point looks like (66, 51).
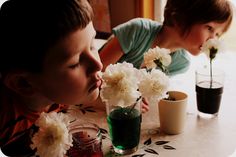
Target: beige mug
(172, 112)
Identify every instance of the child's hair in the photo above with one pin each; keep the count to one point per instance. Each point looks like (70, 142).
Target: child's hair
(29, 28)
(186, 13)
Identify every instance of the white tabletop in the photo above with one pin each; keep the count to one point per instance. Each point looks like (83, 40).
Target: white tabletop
(207, 137)
(202, 137)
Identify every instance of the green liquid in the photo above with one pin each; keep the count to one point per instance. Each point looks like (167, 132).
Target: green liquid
(124, 128)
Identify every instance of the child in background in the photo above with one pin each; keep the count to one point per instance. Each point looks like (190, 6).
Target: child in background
(47, 56)
(187, 25)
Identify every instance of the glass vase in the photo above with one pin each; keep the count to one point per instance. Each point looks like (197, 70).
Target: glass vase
(87, 140)
(124, 127)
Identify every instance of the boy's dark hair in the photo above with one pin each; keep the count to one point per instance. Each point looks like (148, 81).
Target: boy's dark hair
(186, 13)
(30, 27)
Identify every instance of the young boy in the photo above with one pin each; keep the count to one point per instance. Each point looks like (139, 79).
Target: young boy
(47, 57)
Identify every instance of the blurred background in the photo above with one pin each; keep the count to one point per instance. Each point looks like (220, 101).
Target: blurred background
(110, 13)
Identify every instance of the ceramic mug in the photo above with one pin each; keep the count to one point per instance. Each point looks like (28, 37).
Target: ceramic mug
(172, 112)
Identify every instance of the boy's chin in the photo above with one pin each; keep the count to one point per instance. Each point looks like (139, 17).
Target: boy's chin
(93, 96)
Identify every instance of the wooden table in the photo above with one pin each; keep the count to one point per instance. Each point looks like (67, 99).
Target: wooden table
(202, 137)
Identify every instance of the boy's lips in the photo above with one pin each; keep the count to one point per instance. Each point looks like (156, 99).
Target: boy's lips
(96, 85)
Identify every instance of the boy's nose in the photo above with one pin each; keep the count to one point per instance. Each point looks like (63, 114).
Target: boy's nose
(95, 63)
(98, 64)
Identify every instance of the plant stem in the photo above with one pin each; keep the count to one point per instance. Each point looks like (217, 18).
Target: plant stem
(211, 74)
(134, 104)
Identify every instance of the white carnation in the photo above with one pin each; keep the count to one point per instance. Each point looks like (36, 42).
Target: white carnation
(53, 137)
(209, 46)
(123, 85)
(152, 55)
(154, 85)
(120, 85)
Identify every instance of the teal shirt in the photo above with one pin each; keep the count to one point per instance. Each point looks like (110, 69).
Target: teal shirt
(136, 37)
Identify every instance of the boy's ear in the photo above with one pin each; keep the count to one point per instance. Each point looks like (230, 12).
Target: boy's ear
(19, 83)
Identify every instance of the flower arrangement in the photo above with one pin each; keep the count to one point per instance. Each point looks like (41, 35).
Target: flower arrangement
(53, 137)
(211, 47)
(123, 84)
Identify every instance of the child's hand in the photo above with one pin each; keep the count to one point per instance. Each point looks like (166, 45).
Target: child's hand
(145, 106)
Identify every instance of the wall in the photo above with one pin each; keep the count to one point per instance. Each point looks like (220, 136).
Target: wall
(122, 11)
(101, 20)
(110, 13)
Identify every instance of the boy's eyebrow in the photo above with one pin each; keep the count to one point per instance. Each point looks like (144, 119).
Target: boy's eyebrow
(66, 56)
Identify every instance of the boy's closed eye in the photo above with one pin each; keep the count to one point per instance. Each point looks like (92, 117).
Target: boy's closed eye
(76, 64)
(93, 48)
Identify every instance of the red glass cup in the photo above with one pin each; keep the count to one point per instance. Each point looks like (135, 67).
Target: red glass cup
(87, 140)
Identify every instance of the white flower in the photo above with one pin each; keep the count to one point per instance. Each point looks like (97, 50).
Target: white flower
(157, 57)
(120, 85)
(53, 137)
(211, 47)
(154, 85)
(123, 85)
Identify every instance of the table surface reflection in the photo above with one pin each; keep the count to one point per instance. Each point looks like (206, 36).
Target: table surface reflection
(201, 137)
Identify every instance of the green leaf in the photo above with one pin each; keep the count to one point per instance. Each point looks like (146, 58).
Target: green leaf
(103, 131)
(161, 142)
(138, 155)
(90, 110)
(149, 150)
(79, 105)
(168, 147)
(148, 141)
(83, 111)
(104, 137)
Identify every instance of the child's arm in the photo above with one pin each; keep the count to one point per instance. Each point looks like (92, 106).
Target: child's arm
(111, 52)
(98, 104)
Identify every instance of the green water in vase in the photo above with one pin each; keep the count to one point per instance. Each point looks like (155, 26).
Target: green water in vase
(124, 125)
